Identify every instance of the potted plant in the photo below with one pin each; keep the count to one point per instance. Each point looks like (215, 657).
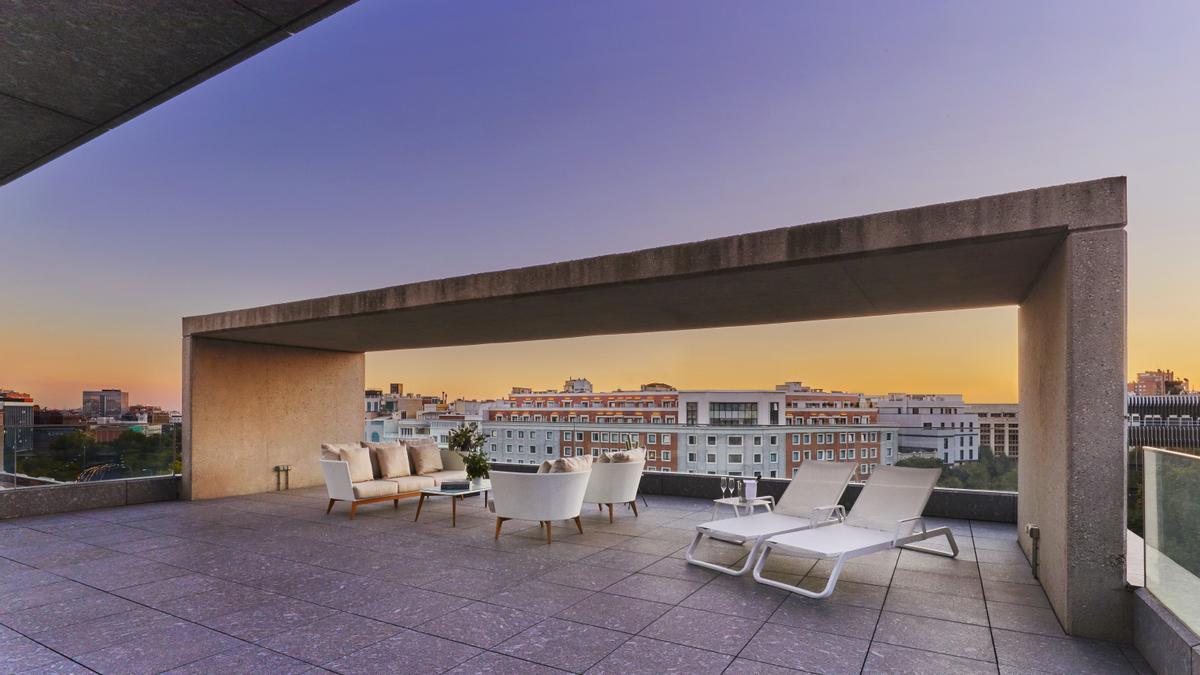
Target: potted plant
(468, 441)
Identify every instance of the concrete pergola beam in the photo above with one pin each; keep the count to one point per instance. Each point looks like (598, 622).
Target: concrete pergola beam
(267, 385)
(73, 70)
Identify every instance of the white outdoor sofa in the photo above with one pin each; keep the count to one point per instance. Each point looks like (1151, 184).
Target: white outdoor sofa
(887, 514)
(811, 500)
(614, 483)
(379, 489)
(543, 497)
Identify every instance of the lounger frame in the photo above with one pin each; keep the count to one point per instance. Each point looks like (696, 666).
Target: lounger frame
(897, 541)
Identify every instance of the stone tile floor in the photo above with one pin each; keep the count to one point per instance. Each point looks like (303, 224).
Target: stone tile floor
(269, 583)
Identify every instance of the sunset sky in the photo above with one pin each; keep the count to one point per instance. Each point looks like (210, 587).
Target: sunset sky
(401, 141)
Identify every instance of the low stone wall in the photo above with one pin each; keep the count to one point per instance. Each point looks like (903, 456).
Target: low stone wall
(1000, 507)
(40, 501)
(1162, 638)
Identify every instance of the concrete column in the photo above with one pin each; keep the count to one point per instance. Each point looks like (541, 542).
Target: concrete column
(1072, 468)
(250, 407)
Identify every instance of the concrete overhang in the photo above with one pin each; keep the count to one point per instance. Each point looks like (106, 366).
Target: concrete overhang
(71, 70)
(972, 253)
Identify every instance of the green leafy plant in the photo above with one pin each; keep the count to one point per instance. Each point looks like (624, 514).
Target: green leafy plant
(468, 441)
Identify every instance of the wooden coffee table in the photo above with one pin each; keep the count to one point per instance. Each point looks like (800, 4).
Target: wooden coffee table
(455, 496)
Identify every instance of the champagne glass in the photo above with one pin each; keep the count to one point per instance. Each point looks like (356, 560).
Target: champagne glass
(724, 485)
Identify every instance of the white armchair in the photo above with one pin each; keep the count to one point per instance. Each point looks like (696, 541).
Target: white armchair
(544, 497)
(614, 483)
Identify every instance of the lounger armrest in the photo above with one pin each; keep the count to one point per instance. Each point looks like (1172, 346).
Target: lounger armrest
(900, 523)
(823, 513)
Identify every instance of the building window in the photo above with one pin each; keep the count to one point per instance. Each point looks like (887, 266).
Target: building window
(711, 458)
(733, 414)
(734, 440)
(735, 458)
(691, 457)
(666, 439)
(666, 456)
(774, 457)
(693, 413)
(566, 435)
(712, 440)
(595, 436)
(774, 440)
(758, 441)
(549, 450)
(508, 448)
(650, 454)
(795, 439)
(652, 439)
(691, 440)
(795, 455)
(757, 458)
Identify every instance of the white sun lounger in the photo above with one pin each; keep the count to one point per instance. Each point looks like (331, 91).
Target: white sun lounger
(887, 514)
(810, 500)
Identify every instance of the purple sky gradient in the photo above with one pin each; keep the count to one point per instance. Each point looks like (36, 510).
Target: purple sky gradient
(396, 142)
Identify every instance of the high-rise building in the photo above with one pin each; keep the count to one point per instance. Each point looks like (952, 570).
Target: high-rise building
(105, 403)
(1159, 383)
(16, 427)
(931, 425)
(998, 428)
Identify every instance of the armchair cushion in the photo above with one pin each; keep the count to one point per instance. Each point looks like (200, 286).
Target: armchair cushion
(374, 488)
(546, 466)
(359, 460)
(425, 456)
(392, 459)
(635, 455)
(572, 464)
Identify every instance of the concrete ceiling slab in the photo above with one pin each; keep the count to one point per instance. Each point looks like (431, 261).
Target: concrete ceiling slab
(73, 69)
(973, 253)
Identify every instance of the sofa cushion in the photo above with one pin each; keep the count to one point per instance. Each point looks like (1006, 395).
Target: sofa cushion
(546, 466)
(392, 459)
(333, 450)
(439, 476)
(413, 483)
(572, 464)
(374, 488)
(425, 456)
(359, 460)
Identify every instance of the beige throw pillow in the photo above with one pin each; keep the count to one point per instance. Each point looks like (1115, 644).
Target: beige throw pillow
(635, 455)
(572, 464)
(546, 466)
(425, 456)
(330, 452)
(359, 460)
(392, 459)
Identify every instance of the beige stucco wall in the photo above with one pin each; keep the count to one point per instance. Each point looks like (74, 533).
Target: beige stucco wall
(251, 407)
(1072, 470)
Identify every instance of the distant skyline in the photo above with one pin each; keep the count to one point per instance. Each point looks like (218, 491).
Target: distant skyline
(396, 142)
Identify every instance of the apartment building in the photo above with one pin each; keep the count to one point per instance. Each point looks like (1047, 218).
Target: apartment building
(1159, 383)
(998, 427)
(733, 432)
(930, 425)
